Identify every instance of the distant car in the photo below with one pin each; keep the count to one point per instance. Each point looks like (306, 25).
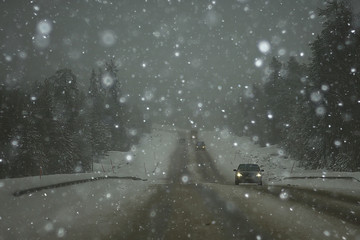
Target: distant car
(248, 173)
(200, 146)
(182, 140)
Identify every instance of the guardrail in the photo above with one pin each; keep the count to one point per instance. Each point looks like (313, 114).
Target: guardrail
(63, 184)
(326, 177)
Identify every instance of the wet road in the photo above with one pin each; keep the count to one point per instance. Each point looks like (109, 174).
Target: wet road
(196, 202)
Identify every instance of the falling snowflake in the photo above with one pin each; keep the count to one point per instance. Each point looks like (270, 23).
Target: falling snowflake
(325, 87)
(264, 46)
(129, 158)
(284, 195)
(282, 52)
(157, 34)
(61, 232)
(107, 80)
(184, 179)
(320, 111)
(258, 62)
(107, 38)
(337, 143)
(316, 96)
(44, 27)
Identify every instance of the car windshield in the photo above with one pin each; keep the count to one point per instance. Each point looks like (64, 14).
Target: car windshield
(128, 119)
(248, 167)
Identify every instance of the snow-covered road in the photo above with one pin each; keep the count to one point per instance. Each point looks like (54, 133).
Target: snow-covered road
(198, 202)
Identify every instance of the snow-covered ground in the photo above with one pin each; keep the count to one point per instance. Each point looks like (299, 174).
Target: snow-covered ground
(228, 151)
(148, 160)
(94, 207)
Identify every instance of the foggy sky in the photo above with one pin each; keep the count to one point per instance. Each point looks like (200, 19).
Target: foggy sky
(179, 59)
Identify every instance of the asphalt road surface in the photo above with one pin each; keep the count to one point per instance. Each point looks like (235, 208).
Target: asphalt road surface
(196, 202)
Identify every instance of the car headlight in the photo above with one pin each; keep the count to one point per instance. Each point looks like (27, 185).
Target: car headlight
(238, 174)
(258, 175)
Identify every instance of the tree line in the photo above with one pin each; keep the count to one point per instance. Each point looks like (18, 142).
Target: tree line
(311, 110)
(57, 128)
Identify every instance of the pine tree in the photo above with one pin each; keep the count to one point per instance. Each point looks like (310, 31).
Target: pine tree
(114, 111)
(99, 132)
(273, 102)
(292, 95)
(65, 107)
(335, 84)
(44, 119)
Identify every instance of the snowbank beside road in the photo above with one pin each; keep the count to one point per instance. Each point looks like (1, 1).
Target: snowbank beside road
(228, 151)
(149, 159)
(90, 210)
(81, 211)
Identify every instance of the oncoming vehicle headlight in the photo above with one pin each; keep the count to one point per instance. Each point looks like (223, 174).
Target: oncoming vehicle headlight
(238, 174)
(258, 175)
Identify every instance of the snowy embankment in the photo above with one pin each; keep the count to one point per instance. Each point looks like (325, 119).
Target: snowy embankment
(147, 160)
(228, 151)
(88, 209)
